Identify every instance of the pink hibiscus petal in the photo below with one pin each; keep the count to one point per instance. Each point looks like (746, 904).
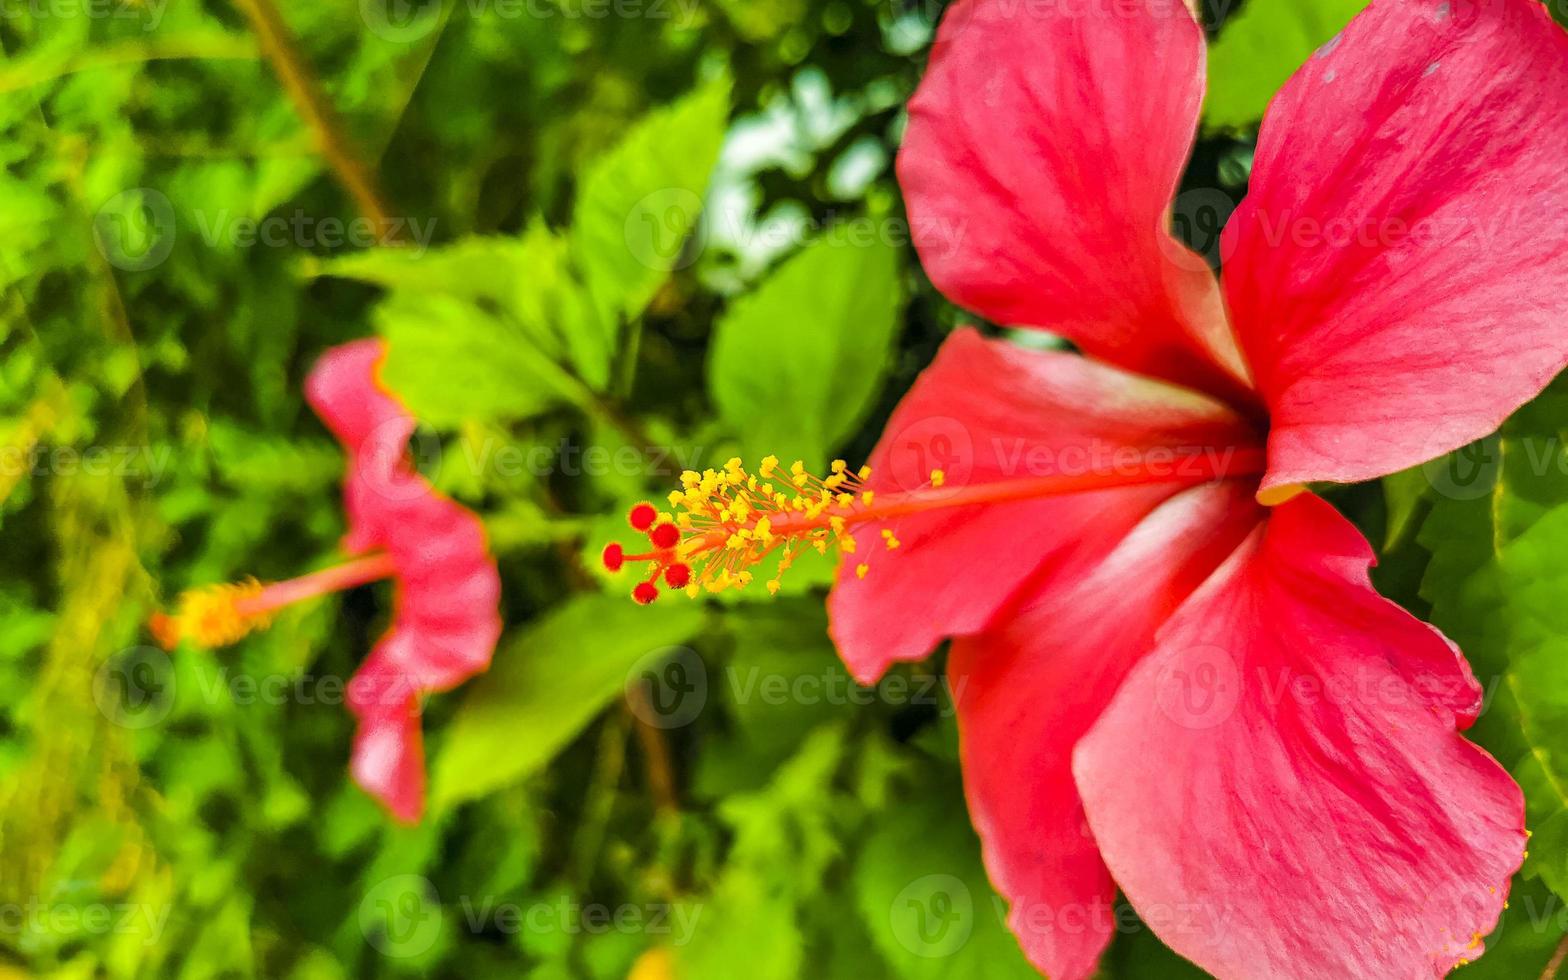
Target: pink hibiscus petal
(988, 412)
(1044, 147)
(1396, 276)
(1027, 691)
(446, 620)
(1274, 794)
(389, 750)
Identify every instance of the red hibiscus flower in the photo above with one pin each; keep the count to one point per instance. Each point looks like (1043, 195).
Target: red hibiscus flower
(1172, 673)
(445, 621)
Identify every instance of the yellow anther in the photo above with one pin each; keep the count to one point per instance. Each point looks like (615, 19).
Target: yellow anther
(938, 478)
(731, 521)
(865, 498)
(861, 570)
(865, 473)
(208, 617)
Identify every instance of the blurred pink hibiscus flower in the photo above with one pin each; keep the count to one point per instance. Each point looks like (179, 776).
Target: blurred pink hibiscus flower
(446, 618)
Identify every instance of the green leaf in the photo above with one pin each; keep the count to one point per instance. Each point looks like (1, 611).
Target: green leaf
(783, 681)
(923, 895)
(639, 203)
(546, 685)
(1261, 48)
(1496, 582)
(1547, 808)
(1403, 493)
(488, 328)
(785, 841)
(797, 363)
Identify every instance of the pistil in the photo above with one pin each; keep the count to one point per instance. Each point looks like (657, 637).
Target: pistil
(726, 522)
(219, 615)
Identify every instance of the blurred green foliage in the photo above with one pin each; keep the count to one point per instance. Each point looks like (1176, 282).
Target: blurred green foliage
(625, 238)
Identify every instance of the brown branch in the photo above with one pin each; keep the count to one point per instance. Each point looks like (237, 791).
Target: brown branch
(655, 748)
(304, 90)
(1556, 961)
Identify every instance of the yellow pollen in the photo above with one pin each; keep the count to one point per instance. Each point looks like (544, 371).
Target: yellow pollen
(209, 618)
(861, 570)
(731, 521)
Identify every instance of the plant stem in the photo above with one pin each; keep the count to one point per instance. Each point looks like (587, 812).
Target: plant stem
(304, 90)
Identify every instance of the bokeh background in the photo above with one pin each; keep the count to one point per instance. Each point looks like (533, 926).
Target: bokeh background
(607, 240)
